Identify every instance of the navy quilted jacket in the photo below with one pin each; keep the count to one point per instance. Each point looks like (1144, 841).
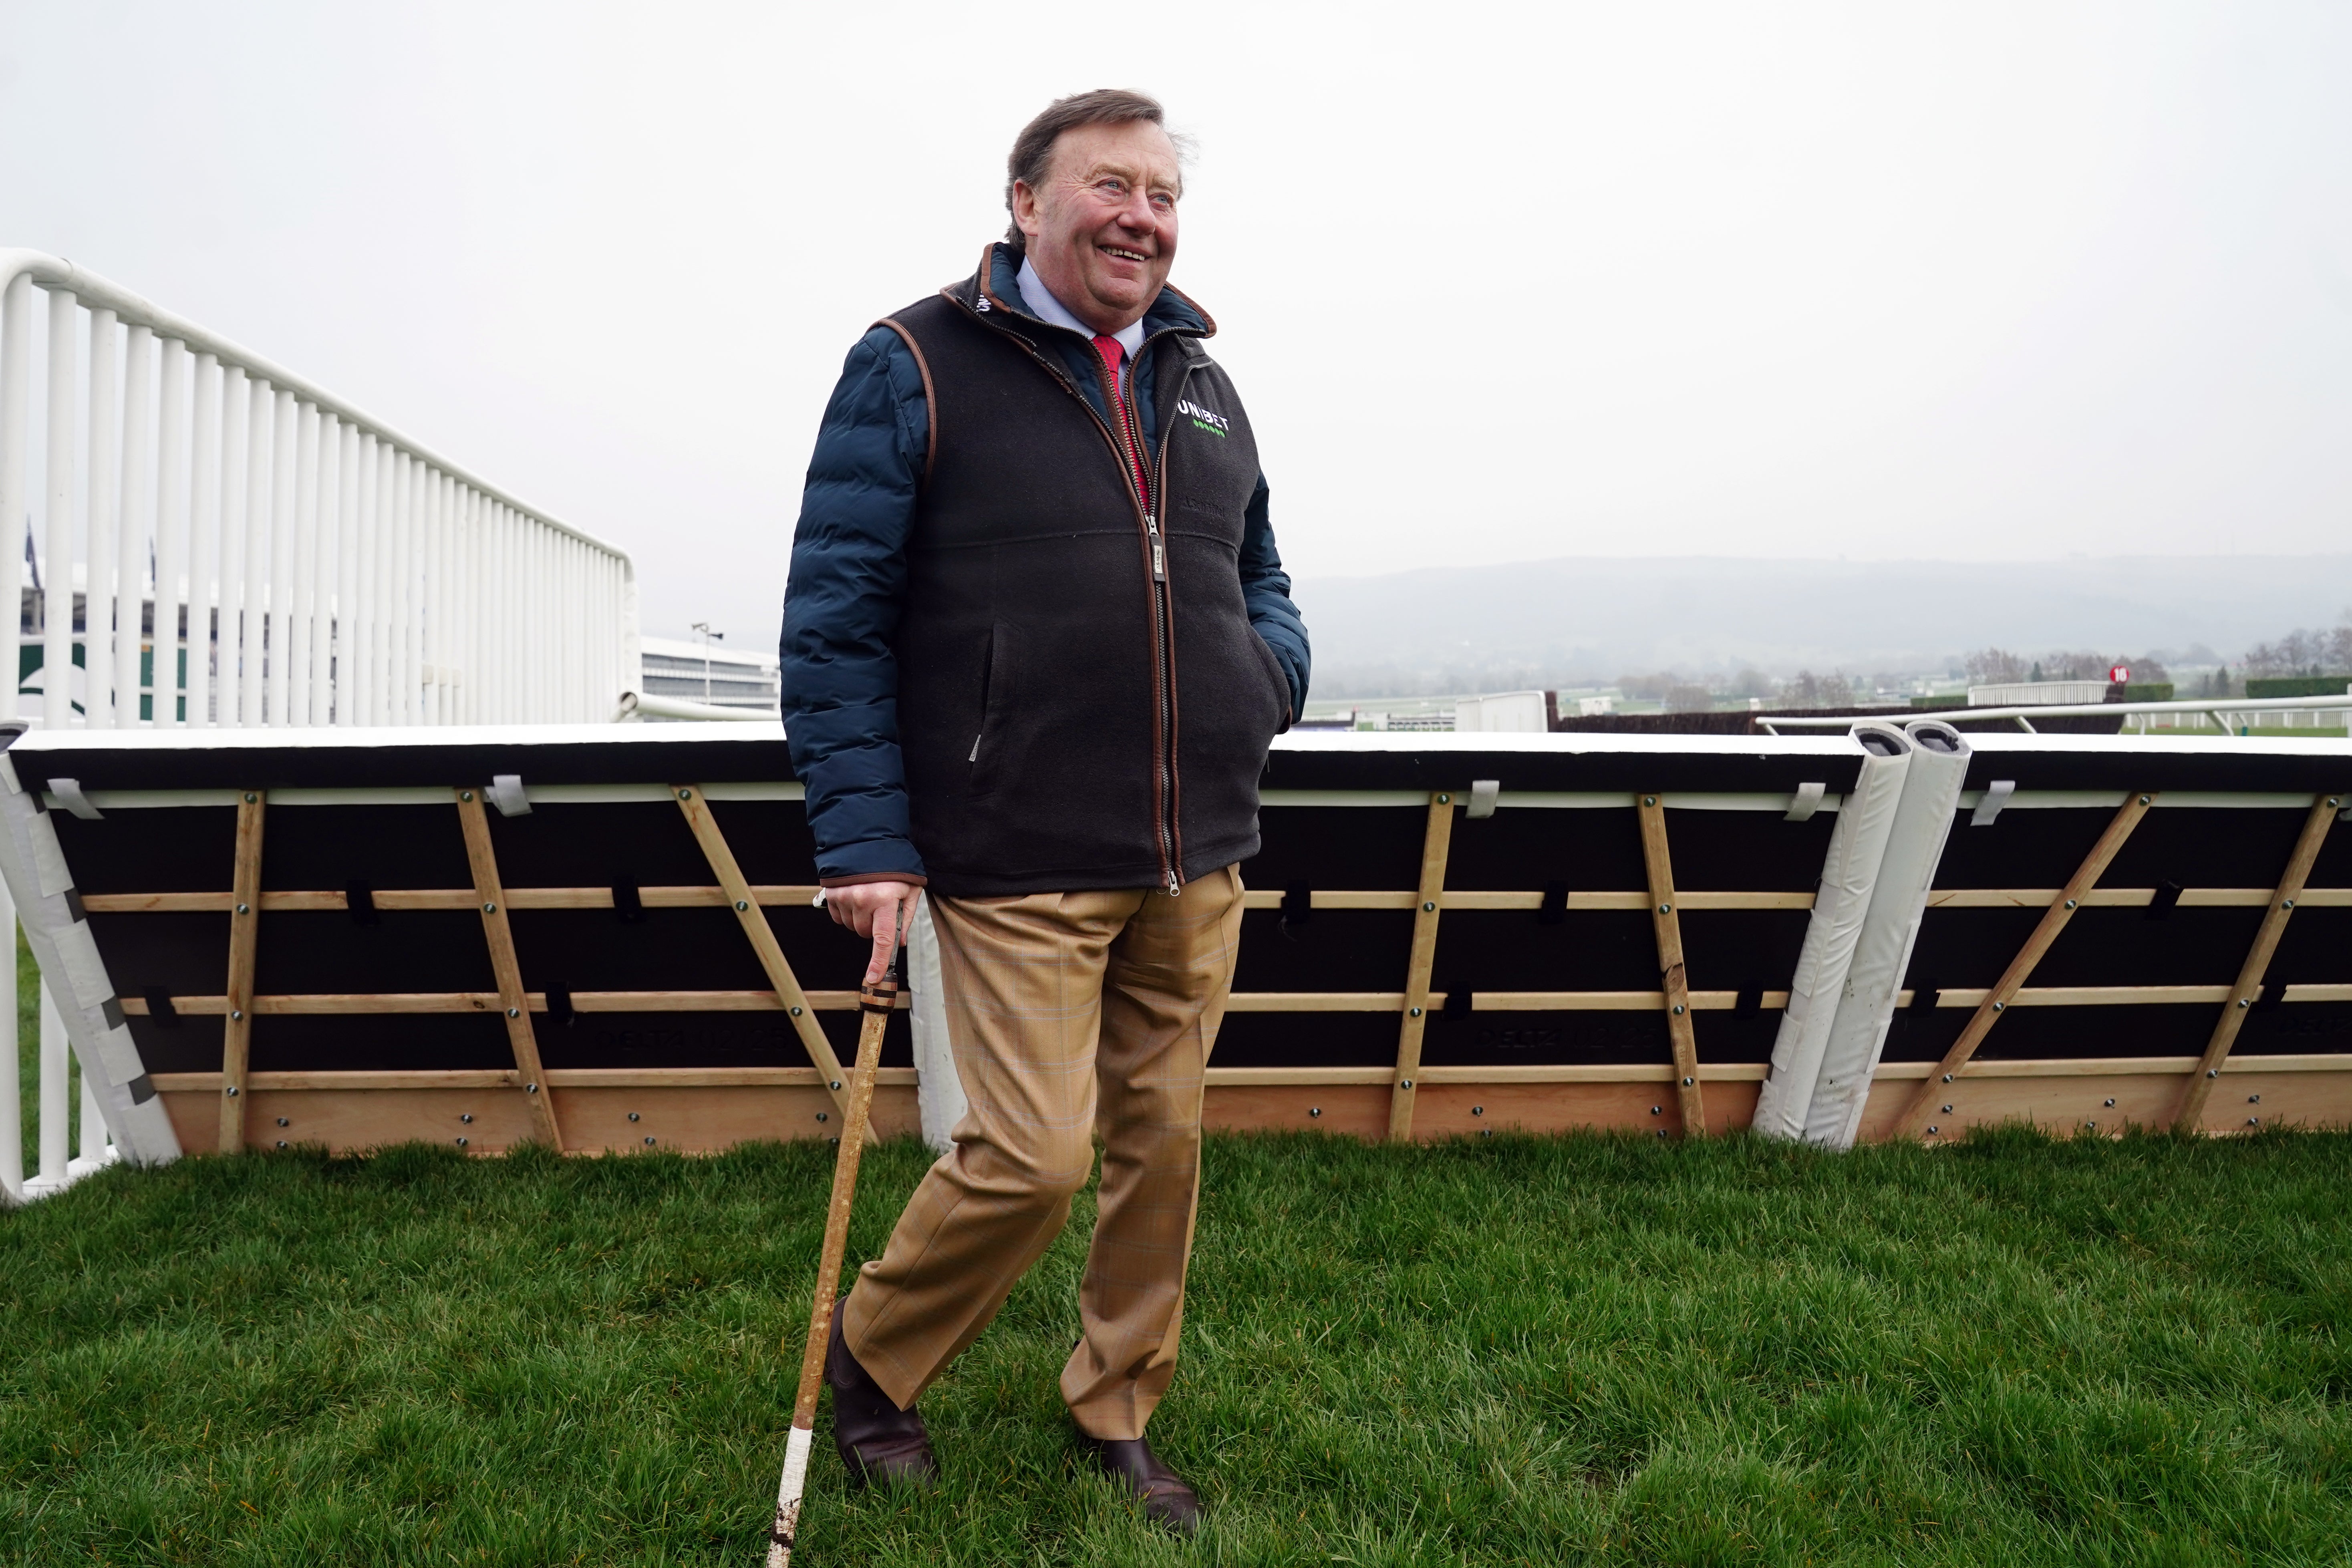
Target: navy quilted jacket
(849, 581)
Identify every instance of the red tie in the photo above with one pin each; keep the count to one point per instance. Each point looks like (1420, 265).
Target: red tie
(1111, 354)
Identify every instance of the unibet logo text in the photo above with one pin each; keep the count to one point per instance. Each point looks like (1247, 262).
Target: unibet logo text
(1215, 424)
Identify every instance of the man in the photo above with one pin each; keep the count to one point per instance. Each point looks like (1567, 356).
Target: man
(1036, 642)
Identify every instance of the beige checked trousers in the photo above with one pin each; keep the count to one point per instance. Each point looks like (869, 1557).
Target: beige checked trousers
(1069, 1014)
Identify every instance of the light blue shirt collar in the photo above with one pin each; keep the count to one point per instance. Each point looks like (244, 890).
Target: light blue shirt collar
(1045, 308)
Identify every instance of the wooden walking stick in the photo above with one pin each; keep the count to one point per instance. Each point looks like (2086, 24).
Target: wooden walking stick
(875, 1002)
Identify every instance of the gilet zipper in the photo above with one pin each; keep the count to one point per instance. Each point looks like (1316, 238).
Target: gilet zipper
(1121, 400)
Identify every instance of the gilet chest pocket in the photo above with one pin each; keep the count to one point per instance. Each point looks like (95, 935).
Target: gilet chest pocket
(988, 749)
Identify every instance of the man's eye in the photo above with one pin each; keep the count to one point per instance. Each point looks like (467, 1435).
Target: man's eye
(1112, 186)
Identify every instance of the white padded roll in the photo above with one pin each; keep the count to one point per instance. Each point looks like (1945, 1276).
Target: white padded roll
(1923, 825)
(939, 1090)
(1865, 818)
(33, 864)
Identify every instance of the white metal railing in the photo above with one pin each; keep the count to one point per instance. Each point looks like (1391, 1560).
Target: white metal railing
(2214, 708)
(215, 541)
(297, 561)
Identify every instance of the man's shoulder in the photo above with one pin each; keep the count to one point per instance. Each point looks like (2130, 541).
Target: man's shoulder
(928, 312)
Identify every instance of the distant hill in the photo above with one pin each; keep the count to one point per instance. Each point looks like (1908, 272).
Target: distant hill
(1578, 620)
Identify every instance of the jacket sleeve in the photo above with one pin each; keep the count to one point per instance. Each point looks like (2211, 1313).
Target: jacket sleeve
(1265, 589)
(848, 584)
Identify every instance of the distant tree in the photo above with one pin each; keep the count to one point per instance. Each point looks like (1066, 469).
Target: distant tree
(1646, 687)
(1837, 691)
(2077, 664)
(1804, 691)
(2147, 666)
(2037, 671)
(1993, 667)
(1687, 698)
(2268, 658)
(2302, 651)
(1751, 682)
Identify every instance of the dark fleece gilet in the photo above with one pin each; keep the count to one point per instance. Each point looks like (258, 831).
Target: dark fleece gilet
(1067, 721)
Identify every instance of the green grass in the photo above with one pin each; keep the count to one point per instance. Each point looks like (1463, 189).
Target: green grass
(1507, 1351)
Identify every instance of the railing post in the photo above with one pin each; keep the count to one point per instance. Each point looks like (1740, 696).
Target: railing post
(15, 438)
(204, 497)
(497, 607)
(173, 486)
(102, 480)
(347, 567)
(412, 593)
(253, 601)
(230, 583)
(294, 667)
(327, 562)
(57, 580)
(537, 623)
(12, 1094)
(395, 596)
(373, 574)
(477, 514)
(436, 600)
(285, 519)
(132, 511)
(632, 675)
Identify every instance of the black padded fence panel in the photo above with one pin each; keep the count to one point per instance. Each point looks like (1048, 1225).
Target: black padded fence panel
(177, 850)
(1357, 849)
(1331, 949)
(1591, 850)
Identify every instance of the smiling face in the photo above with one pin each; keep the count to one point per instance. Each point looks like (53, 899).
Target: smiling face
(1102, 231)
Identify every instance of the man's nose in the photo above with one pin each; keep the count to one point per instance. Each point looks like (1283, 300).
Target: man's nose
(1138, 214)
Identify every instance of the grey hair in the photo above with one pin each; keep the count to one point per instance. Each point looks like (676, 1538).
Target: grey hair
(1033, 150)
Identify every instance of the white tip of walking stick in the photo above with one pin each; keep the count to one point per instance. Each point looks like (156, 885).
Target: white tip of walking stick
(788, 1497)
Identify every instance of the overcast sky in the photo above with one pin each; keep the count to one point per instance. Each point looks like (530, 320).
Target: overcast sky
(1497, 282)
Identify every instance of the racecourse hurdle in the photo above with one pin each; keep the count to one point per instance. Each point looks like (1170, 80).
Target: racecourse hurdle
(604, 938)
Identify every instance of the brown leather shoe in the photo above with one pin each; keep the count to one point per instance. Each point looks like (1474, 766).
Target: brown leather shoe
(1167, 1501)
(878, 1442)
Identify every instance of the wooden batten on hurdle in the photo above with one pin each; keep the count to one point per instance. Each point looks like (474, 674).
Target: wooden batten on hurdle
(512, 1003)
(1913, 1122)
(244, 932)
(754, 921)
(796, 895)
(1435, 841)
(2241, 1000)
(1658, 861)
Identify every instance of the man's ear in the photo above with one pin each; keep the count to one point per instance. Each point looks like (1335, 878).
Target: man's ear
(1026, 216)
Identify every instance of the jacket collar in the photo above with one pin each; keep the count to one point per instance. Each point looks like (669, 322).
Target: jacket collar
(994, 288)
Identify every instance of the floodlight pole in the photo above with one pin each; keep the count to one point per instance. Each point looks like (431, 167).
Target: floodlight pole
(704, 628)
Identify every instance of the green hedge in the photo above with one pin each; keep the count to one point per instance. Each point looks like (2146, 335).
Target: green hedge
(2148, 691)
(2298, 686)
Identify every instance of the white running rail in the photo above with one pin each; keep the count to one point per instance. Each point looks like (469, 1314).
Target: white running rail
(220, 542)
(2213, 708)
